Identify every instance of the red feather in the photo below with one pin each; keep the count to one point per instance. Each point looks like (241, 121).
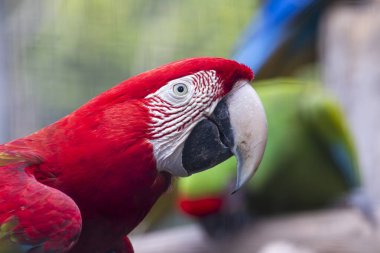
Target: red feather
(200, 207)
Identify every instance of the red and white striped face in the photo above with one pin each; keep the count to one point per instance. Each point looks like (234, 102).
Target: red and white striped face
(182, 102)
(200, 112)
(175, 109)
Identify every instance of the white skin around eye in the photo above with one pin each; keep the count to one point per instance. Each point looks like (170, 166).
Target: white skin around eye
(168, 94)
(174, 113)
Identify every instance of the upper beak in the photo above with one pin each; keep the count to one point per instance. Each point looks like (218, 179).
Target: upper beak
(237, 127)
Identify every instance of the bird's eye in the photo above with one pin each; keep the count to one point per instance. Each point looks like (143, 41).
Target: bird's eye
(180, 89)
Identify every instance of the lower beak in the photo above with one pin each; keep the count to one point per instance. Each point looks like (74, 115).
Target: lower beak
(236, 127)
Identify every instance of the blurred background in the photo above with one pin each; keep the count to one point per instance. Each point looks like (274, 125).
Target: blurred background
(324, 118)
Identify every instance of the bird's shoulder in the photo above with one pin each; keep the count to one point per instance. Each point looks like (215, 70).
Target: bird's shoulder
(33, 217)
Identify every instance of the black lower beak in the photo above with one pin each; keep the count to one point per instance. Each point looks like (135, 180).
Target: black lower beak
(210, 142)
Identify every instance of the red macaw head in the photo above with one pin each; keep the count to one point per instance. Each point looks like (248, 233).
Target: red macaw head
(198, 112)
(202, 111)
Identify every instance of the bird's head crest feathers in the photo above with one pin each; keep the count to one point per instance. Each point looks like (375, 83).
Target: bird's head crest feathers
(148, 82)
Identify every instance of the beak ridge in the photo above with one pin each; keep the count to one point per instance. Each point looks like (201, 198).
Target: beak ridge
(249, 125)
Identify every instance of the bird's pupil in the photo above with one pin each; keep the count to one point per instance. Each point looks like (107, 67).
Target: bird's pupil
(180, 89)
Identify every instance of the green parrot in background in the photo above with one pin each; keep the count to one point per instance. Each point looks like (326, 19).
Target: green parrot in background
(309, 163)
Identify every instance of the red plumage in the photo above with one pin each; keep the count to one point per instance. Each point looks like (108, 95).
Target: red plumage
(92, 175)
(200, 207)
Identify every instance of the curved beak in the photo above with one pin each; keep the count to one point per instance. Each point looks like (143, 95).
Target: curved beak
(237, 127)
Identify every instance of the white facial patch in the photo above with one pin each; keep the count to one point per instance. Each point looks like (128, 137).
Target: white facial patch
(175, 109)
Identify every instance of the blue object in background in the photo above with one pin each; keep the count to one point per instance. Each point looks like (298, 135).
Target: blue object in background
(281, 37)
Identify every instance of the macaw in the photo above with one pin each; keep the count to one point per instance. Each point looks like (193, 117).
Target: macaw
(282, 36)
(310, 162)
(84, 182)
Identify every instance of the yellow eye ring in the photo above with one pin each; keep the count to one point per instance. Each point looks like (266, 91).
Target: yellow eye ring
(180, 89)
